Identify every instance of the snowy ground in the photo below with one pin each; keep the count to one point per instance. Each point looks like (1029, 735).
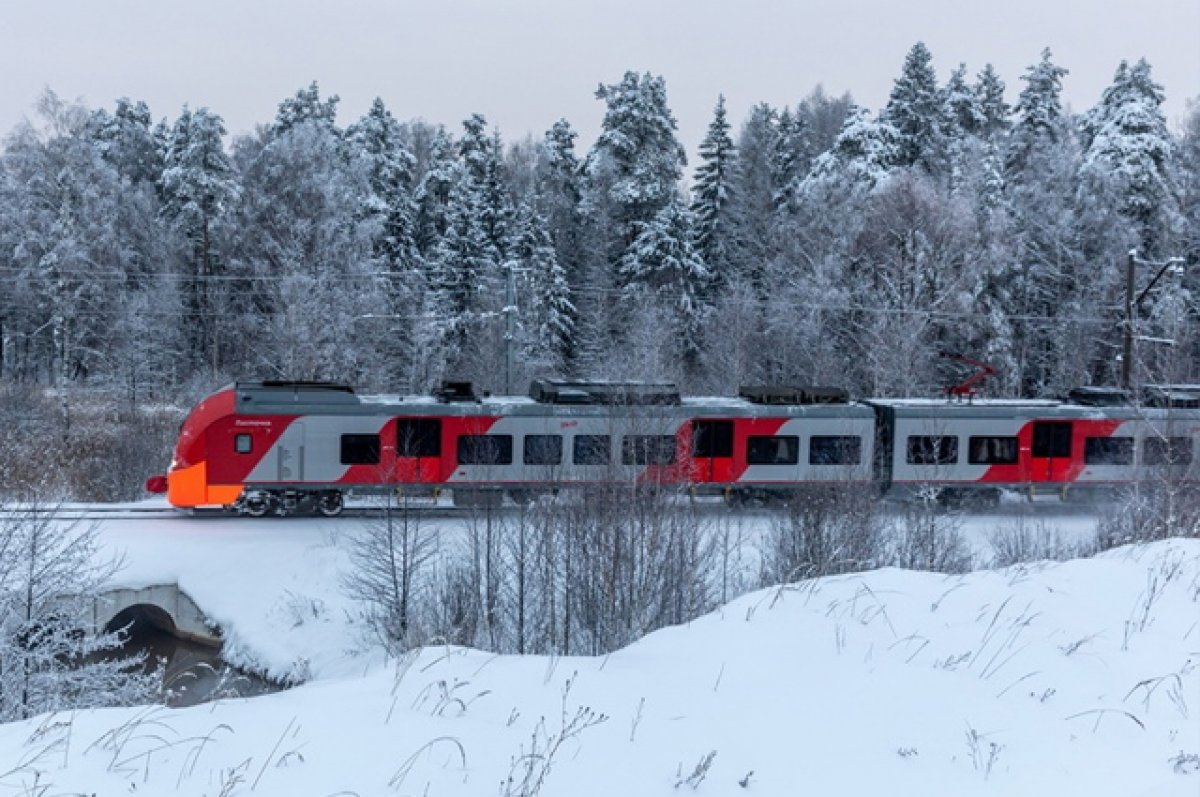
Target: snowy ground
(1073, 678)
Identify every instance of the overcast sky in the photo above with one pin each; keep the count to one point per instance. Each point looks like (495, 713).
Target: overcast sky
(525, 63)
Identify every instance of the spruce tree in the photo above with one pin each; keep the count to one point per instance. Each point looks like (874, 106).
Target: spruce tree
(1126, 143)
(915, 110)
(712, 197)
(376, 140)
(1038, 110)
(198, 185)
(306, 106)
(989, 97)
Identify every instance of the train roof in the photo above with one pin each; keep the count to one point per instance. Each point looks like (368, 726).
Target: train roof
(255, 398)
(587, 399)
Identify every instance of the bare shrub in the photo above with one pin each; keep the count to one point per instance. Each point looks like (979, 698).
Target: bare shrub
(824, 531)
(1164, 507)
(1022, 541)
(928, 538)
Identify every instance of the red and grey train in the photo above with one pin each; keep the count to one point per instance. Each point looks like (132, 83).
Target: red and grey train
(262, 447)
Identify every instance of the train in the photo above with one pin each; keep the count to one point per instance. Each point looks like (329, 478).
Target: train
(282, 447)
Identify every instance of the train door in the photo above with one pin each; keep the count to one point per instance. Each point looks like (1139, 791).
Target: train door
(418, 450)
(1051, 451)
(712, 451)
(289, 454)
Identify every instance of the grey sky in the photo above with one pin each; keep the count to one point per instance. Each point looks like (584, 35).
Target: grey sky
(526, 63)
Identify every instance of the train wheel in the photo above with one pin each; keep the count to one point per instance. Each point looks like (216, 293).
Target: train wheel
(256, 504)
(330, 503)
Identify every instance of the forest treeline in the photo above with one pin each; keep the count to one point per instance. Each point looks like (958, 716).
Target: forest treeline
(817, 243)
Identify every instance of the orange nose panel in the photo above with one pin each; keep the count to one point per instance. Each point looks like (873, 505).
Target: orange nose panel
(187, 486)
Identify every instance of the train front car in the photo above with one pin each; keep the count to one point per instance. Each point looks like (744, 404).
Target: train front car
(187, 483)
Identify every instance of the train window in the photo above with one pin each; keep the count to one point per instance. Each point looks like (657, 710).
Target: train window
(932, 450)
(243, 444)
(648, 449)
(591, 449)
(712, 438)
(992, 450)
(1052, 439)
(485, 449)
(784, 450)
(419, 437)
(1108, 450)
(360, 449)
(834, 450)
(1167, 451)
(543, 449)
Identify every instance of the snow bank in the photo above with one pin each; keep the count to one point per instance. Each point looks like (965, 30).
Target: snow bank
(1072, 678)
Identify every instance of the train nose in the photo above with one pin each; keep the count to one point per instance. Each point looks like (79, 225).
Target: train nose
(156, 484)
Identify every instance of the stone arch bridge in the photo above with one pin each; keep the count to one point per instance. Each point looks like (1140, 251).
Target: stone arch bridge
(164, 606)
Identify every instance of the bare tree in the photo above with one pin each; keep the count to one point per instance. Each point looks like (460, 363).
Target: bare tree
(51, 572)
(387, 560)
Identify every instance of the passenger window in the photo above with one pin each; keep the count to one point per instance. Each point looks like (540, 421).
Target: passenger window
(419, 437)
(360, 449)
(834, 450)
(648, 449)
(243, 444)
(543, 449)
(485, 449)
(783, 450)
(712, 438)
(932, 450)
(1170, 451)
(1108, 450)
(591, 449)
(992, 450)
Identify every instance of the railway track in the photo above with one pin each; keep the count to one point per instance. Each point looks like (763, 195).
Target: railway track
(109, 512)
(103, 512)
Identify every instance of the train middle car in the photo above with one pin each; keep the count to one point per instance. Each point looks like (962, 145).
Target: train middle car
(281, 446)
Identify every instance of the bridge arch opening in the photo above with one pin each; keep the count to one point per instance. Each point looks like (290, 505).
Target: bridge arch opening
(140, 619)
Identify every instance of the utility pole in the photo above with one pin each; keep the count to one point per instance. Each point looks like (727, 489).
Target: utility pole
(1127, 347)
(1174, 264)
(510, 322)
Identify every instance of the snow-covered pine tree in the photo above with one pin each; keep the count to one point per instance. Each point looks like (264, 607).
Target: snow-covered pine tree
(377, 142)
(631, 173)
(635, 165)
(663, 262)
(756, 179)
(305, 106)
(1126, 144)
(480, 154)
(552, 310)
(1039, 111)
(962, 105)
(863, 155)
(433, 193)
(916, 111)
(989, 98)
(125, 139)
(712, 199)
(788, 159)
(197, 186)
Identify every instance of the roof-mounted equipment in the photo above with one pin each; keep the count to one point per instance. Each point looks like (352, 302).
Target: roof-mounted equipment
(1095, 396)
(456, 392)
(554, 391)
(787, 395)
(1173, 396)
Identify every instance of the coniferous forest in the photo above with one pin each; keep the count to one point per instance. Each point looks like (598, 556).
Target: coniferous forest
(148, 260)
